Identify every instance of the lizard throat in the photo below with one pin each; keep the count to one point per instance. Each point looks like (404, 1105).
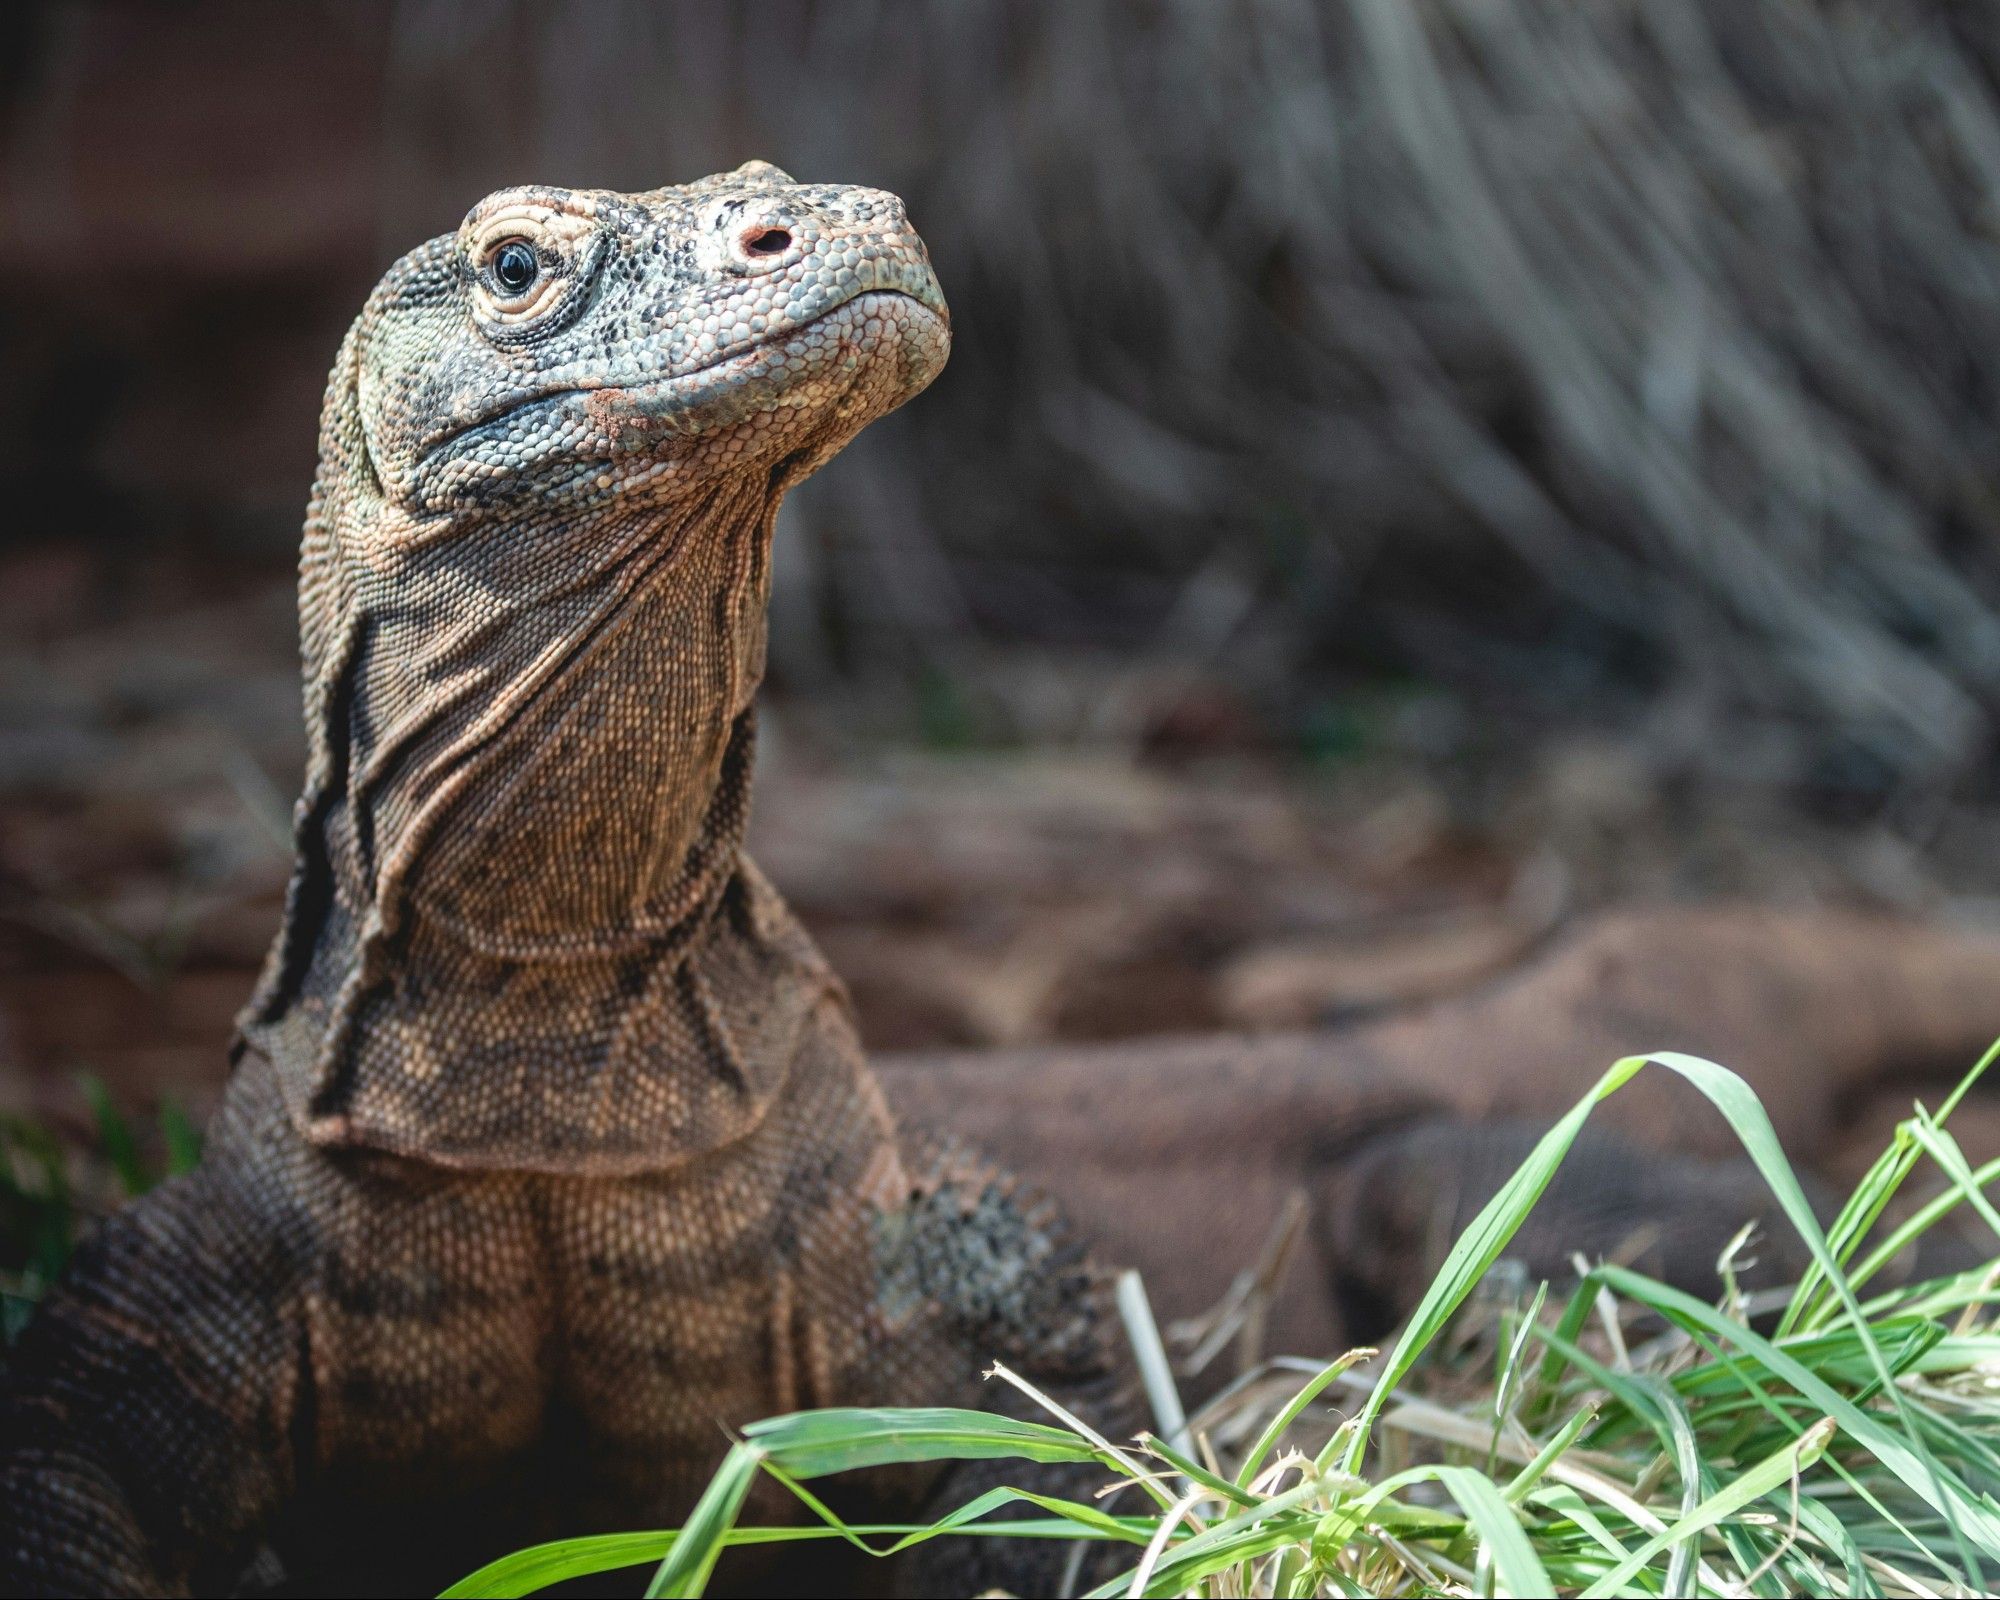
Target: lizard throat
(522, 933)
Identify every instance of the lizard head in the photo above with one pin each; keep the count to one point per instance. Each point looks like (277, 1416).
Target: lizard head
(585, 348)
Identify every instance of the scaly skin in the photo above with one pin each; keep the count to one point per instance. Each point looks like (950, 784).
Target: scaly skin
(550, 1151)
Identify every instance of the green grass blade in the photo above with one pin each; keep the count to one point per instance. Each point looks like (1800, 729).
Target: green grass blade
(180, 1136)
(541, 1565)
(525, 1572)
(1831, 1532)
(1570, 1505)
(1918, 1223)
(691, 1558)
(1185, 1575)
(1730, 1095)
(1195, 1472)
(1489, 1515)
(1069, 1518)
(1865, 1206)
(1938, 1488)
(1515, 1565)
(1546, 1457)
(1576, 1312)
(1776, 1469)
(1216, 1547)
(115, 1137)
(1942, 1148)
(1779, 1409)
(1289, 1413)
(812, 1444)
(1476, 1250)
(1687, 1460)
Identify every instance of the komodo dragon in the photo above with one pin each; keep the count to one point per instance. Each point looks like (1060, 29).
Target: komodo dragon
(550, 1152)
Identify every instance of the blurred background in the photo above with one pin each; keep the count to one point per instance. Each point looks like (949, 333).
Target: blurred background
(1408, 471)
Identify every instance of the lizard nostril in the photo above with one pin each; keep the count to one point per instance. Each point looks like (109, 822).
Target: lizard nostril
(767, 242)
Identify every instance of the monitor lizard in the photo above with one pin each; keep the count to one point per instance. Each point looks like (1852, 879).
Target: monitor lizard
(550, 1151)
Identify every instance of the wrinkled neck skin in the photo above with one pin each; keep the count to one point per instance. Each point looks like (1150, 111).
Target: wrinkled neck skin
(521, 932)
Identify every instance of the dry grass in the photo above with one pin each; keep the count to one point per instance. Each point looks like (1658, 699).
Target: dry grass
(1535, 344)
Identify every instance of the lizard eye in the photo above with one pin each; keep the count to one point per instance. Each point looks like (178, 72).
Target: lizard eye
(515, 267)
(528, 264)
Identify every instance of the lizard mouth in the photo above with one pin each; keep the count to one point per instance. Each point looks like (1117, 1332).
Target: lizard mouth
(771, 373)
(765, 375)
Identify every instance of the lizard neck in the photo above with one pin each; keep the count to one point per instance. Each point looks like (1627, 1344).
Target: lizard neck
(521, 930)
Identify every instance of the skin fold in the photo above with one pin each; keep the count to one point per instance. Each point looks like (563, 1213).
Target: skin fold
(550, 1151)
